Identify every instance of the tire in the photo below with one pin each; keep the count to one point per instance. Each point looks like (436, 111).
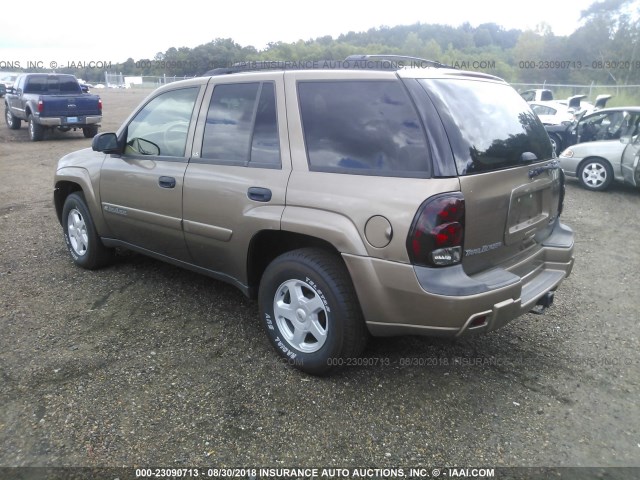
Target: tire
(595, 174)
(310, 310)
(556, 143)
(90, 132)
(80, 235)
(36, 131)
(13, 122)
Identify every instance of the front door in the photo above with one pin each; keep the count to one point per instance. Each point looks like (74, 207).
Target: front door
(631, 162)
(141, 190)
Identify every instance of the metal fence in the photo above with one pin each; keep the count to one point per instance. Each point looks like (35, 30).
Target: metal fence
(120, 80)
(562, 91)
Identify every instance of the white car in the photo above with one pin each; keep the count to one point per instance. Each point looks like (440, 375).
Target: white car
(557, 112)
(9, 80)
(552, 112)
(616, 157)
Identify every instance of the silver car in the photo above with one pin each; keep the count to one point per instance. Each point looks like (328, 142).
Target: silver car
(615, 157)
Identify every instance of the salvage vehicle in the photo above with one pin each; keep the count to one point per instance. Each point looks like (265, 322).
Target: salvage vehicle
(566, 133)
(351, 199)
(51, 101)
(611, 150)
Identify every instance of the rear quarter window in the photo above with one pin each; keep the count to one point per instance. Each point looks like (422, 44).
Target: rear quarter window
(362, 128)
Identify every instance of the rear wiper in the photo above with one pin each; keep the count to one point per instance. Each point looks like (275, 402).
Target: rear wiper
(534, 172)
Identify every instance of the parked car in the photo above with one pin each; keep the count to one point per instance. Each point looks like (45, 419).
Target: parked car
(566, 112)
(3, 90)
(48, 101)
(352, 199)
(553, 112)
(611, 151)
(8, 80)
(567, 134)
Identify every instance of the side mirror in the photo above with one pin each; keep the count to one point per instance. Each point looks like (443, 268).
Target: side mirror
(144, 147)
(11, 90)
(84, 88)
(105, 142)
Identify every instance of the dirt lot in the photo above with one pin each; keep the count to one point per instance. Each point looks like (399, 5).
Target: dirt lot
(143, 364)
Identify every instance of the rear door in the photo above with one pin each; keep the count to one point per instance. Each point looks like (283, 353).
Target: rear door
(235, 183)
(511, 185)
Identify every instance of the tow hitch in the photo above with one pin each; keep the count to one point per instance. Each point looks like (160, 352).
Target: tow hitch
(543, 303)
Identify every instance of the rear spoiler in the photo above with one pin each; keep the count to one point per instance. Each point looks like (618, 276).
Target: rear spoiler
(601, 101)
(574, 102)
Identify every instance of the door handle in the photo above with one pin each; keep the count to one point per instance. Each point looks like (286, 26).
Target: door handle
(167, 182)
(259, 194)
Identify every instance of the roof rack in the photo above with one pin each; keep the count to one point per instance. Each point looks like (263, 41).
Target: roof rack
(400, 59)
(370, 62)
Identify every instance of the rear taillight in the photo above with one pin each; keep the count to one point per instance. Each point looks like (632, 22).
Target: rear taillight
(437, 232)
(40, 106)
(100, 104)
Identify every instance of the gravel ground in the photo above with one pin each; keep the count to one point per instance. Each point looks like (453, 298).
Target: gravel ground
(143, 364)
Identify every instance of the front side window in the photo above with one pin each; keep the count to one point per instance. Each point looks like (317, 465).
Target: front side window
(362, 128)
(161, 127)
(242, 126)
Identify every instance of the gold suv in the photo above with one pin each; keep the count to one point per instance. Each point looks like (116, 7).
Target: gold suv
(375, 196)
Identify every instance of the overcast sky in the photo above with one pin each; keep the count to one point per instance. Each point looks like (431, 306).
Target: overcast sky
(114, 30)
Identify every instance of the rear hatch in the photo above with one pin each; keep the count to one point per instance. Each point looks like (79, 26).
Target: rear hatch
(69, 105)
(503, 158)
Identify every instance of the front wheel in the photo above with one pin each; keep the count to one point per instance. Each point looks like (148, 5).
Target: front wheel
(80, 235)
(36, 131)
(310, 310)
(595, 174)
(13, 122)
(556, 143)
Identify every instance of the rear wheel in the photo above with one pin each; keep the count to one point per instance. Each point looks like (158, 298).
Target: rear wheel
(13, 122)
(90, 131)
(80, 235)
(36, 131)
(595, 174)
(310, 310)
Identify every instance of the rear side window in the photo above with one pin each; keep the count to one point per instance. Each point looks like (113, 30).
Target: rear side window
(242, 126)
(362, 128)
(489, 125)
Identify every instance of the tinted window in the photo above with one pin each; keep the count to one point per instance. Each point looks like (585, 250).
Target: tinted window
(242, 126)
(489, 125)
(265, 146)
(362, 127)
(53, 84)
(164, 122)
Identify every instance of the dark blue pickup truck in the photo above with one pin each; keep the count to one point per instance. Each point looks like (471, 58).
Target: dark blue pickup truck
(48, 101)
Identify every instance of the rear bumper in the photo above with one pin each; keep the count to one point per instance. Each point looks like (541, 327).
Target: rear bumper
(64, 122)
(400, 299)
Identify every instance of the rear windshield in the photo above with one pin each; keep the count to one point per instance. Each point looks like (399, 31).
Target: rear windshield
(52, 84)
(489, 125)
